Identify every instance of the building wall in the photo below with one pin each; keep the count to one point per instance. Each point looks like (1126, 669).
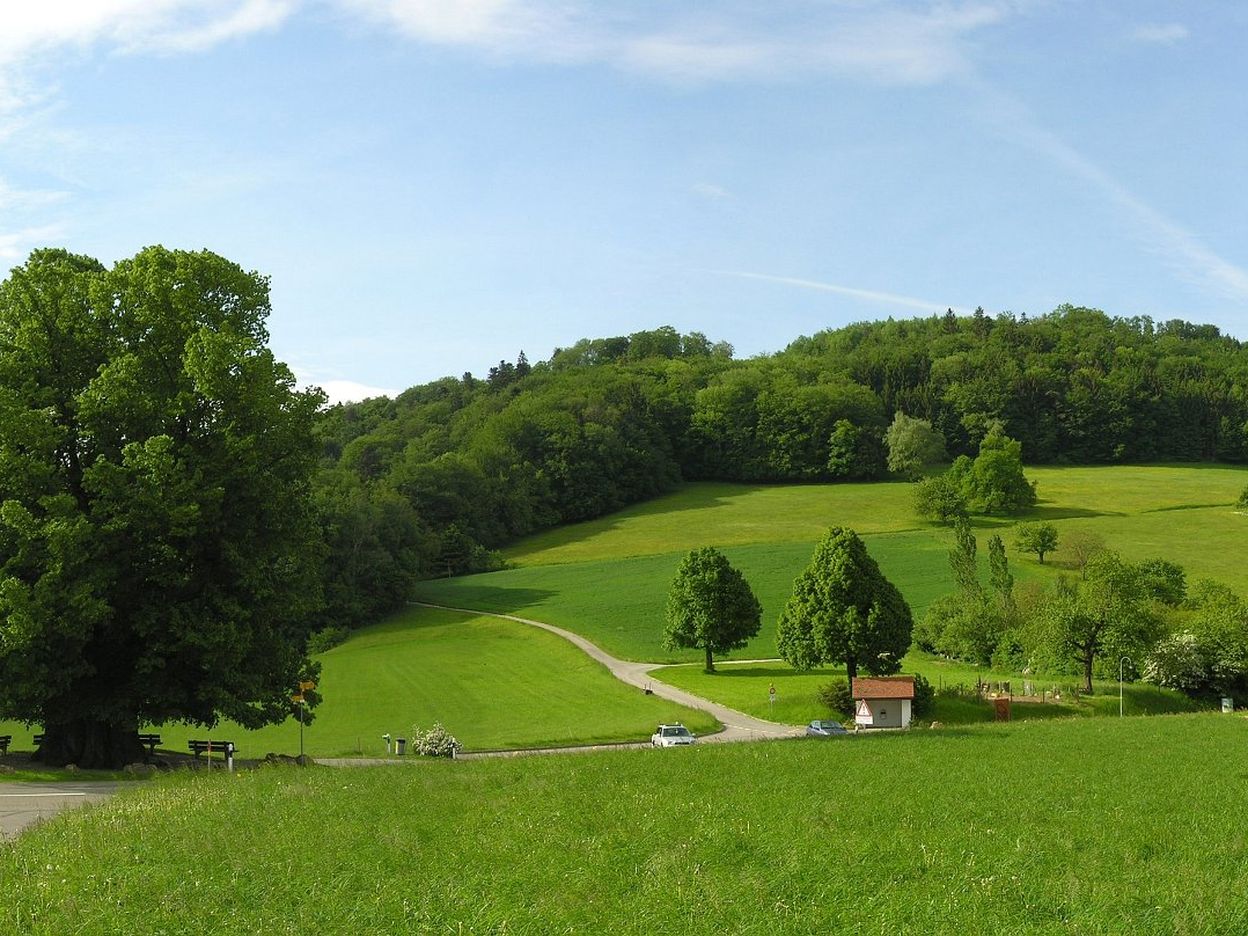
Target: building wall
(884, 713)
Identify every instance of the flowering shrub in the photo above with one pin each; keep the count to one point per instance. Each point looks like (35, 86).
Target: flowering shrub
(436, 742)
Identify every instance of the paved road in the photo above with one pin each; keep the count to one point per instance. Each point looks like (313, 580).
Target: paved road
(737, 725)
(22, 804)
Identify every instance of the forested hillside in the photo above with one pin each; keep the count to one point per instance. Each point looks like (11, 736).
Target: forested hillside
(428, 483)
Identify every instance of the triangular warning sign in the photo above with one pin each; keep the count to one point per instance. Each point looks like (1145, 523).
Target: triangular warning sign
(863, 708)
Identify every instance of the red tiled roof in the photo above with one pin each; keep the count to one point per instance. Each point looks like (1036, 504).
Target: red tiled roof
(883, 687)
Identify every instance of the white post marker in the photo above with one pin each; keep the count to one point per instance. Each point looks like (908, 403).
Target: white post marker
(1120, 663)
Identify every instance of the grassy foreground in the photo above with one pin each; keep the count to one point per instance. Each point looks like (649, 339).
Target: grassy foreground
(1096, 826)
(492, 683)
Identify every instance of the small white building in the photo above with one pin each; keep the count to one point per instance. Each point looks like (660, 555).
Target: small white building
(882, 701)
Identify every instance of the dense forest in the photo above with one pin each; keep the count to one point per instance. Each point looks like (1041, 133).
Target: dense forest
(429, 483)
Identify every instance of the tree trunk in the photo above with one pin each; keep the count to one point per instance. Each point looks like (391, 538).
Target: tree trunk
(1087, 674)
(851, 670)
(91, 745)
(710, 664)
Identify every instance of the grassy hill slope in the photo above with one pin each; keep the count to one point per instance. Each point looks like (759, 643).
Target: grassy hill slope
(608, 578)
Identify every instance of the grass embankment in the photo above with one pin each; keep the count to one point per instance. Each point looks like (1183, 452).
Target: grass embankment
(744, 686)
(1027, 828)
(492, 683)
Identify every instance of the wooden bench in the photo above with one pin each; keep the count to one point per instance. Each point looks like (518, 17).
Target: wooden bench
(199, 747)
(5, 741)
(151, 740)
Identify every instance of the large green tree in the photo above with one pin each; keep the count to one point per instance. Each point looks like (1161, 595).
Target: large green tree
(913, 445)
(159, 557)
(1107, 613)
(1039, 538)
(843, 610)
(710, 606)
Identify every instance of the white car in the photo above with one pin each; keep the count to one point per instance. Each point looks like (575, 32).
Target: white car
(672, 736)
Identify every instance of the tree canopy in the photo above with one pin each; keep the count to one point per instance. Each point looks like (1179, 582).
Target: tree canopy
(913, 445)
(159, 558)
(1104, 613)
(710, 606)
(1038, 538)
(843, 610)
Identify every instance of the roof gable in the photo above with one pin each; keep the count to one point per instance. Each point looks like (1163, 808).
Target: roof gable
(883, 687)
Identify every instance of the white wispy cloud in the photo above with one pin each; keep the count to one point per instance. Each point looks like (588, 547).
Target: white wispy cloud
(920, 44)
(710, 192)
(1180, 249)
(1159, 33)
(868, 295)
(133, 25)
(14, 245)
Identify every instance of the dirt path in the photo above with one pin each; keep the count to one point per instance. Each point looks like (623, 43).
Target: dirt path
(738, 726)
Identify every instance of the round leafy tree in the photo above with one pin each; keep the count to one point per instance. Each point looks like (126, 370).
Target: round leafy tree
(158, 556)
(710, 606)
(843, 610)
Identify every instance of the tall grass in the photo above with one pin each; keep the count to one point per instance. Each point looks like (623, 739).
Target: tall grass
(1095, 826)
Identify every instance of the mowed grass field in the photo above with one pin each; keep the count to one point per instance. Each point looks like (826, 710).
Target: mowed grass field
(492, 683)
(619, 604)
(608, 578)
(1094, 826)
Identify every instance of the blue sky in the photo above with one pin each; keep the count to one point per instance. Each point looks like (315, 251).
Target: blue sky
(433, 186)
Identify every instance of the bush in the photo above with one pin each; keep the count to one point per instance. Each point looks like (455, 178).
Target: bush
(924, 697)
(436, 742)
(836, 695)
(939, 498)
(1242, 503)
(327, 638)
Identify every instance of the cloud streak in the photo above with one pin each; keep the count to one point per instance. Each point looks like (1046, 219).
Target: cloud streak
(1180, 249)
(733, 41)
(1159, 33)
(868, 295)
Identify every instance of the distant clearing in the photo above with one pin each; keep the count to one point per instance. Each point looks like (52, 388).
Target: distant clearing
(1133, 508)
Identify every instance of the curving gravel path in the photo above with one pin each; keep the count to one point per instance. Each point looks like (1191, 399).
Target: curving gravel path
(738, 726)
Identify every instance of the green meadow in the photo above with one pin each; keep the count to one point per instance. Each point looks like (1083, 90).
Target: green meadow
(1120, 502)
(619, 604)
(492, 683)
(1095, 826)
(607, 579)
